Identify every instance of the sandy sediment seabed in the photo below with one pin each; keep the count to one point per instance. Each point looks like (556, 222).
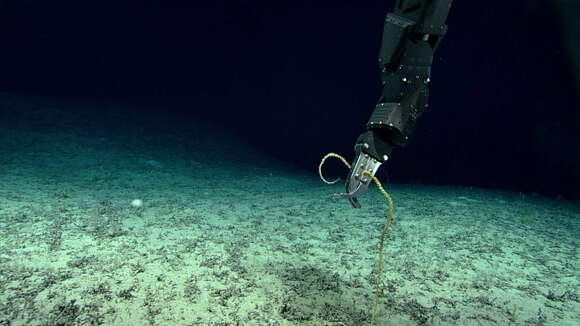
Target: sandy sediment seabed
(243, 240)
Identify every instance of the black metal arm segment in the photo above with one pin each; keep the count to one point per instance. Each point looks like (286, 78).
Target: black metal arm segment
(412, 33)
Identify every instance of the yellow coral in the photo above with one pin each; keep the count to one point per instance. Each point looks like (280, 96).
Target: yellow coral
(388, 222)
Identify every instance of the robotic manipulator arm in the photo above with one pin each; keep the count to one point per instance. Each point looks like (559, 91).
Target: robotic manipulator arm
(412, 33)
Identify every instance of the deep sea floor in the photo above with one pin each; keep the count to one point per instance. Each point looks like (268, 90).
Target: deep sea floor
(227, 236)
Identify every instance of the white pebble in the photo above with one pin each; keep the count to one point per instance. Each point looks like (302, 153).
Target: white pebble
(137, 203)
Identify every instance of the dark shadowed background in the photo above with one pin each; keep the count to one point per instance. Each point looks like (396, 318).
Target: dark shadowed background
(299, 79)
